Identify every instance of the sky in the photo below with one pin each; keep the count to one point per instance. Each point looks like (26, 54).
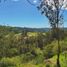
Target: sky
(20, 13)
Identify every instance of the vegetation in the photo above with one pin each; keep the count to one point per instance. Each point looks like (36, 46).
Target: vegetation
(23, 48)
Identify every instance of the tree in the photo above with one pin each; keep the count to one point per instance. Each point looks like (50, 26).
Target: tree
(53, 10)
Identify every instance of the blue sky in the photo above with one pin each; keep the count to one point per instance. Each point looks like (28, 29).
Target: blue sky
(21, 14)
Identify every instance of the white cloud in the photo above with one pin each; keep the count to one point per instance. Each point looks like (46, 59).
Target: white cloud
(34, 1)
(60, 3)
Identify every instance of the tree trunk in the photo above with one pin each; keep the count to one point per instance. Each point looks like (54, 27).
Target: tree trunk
(58, 54)
(58, 39)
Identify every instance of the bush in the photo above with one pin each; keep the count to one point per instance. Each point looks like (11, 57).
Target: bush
(27, 57)
(39, 58)
(47, 65)
(48, 53)
(6, 62)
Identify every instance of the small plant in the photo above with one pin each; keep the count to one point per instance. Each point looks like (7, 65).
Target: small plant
(47, 65)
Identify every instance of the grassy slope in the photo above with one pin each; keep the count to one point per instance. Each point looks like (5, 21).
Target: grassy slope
(52, 62)
(63, 60)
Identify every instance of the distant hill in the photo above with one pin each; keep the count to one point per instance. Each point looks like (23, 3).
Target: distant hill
(21, 29)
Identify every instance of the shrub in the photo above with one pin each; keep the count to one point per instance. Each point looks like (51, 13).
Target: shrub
(6, 62)
(27, 57)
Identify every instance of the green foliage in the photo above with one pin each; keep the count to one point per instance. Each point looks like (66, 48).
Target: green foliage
(47, 65)
(28, 57)
(6, 62)
(20, 48)
(39, 58)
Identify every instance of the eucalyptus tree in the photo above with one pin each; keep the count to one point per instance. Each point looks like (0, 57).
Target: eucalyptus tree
(53, 10)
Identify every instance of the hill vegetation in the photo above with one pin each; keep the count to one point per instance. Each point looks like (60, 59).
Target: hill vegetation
(26, 47)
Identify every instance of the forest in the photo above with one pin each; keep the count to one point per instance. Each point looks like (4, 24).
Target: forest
(21, 47)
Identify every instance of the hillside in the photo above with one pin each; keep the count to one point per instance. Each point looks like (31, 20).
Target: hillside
(17, 62)
(21, 47)
(21, 29)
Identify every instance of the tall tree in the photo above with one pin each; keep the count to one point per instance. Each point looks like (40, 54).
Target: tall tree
(53, 10)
